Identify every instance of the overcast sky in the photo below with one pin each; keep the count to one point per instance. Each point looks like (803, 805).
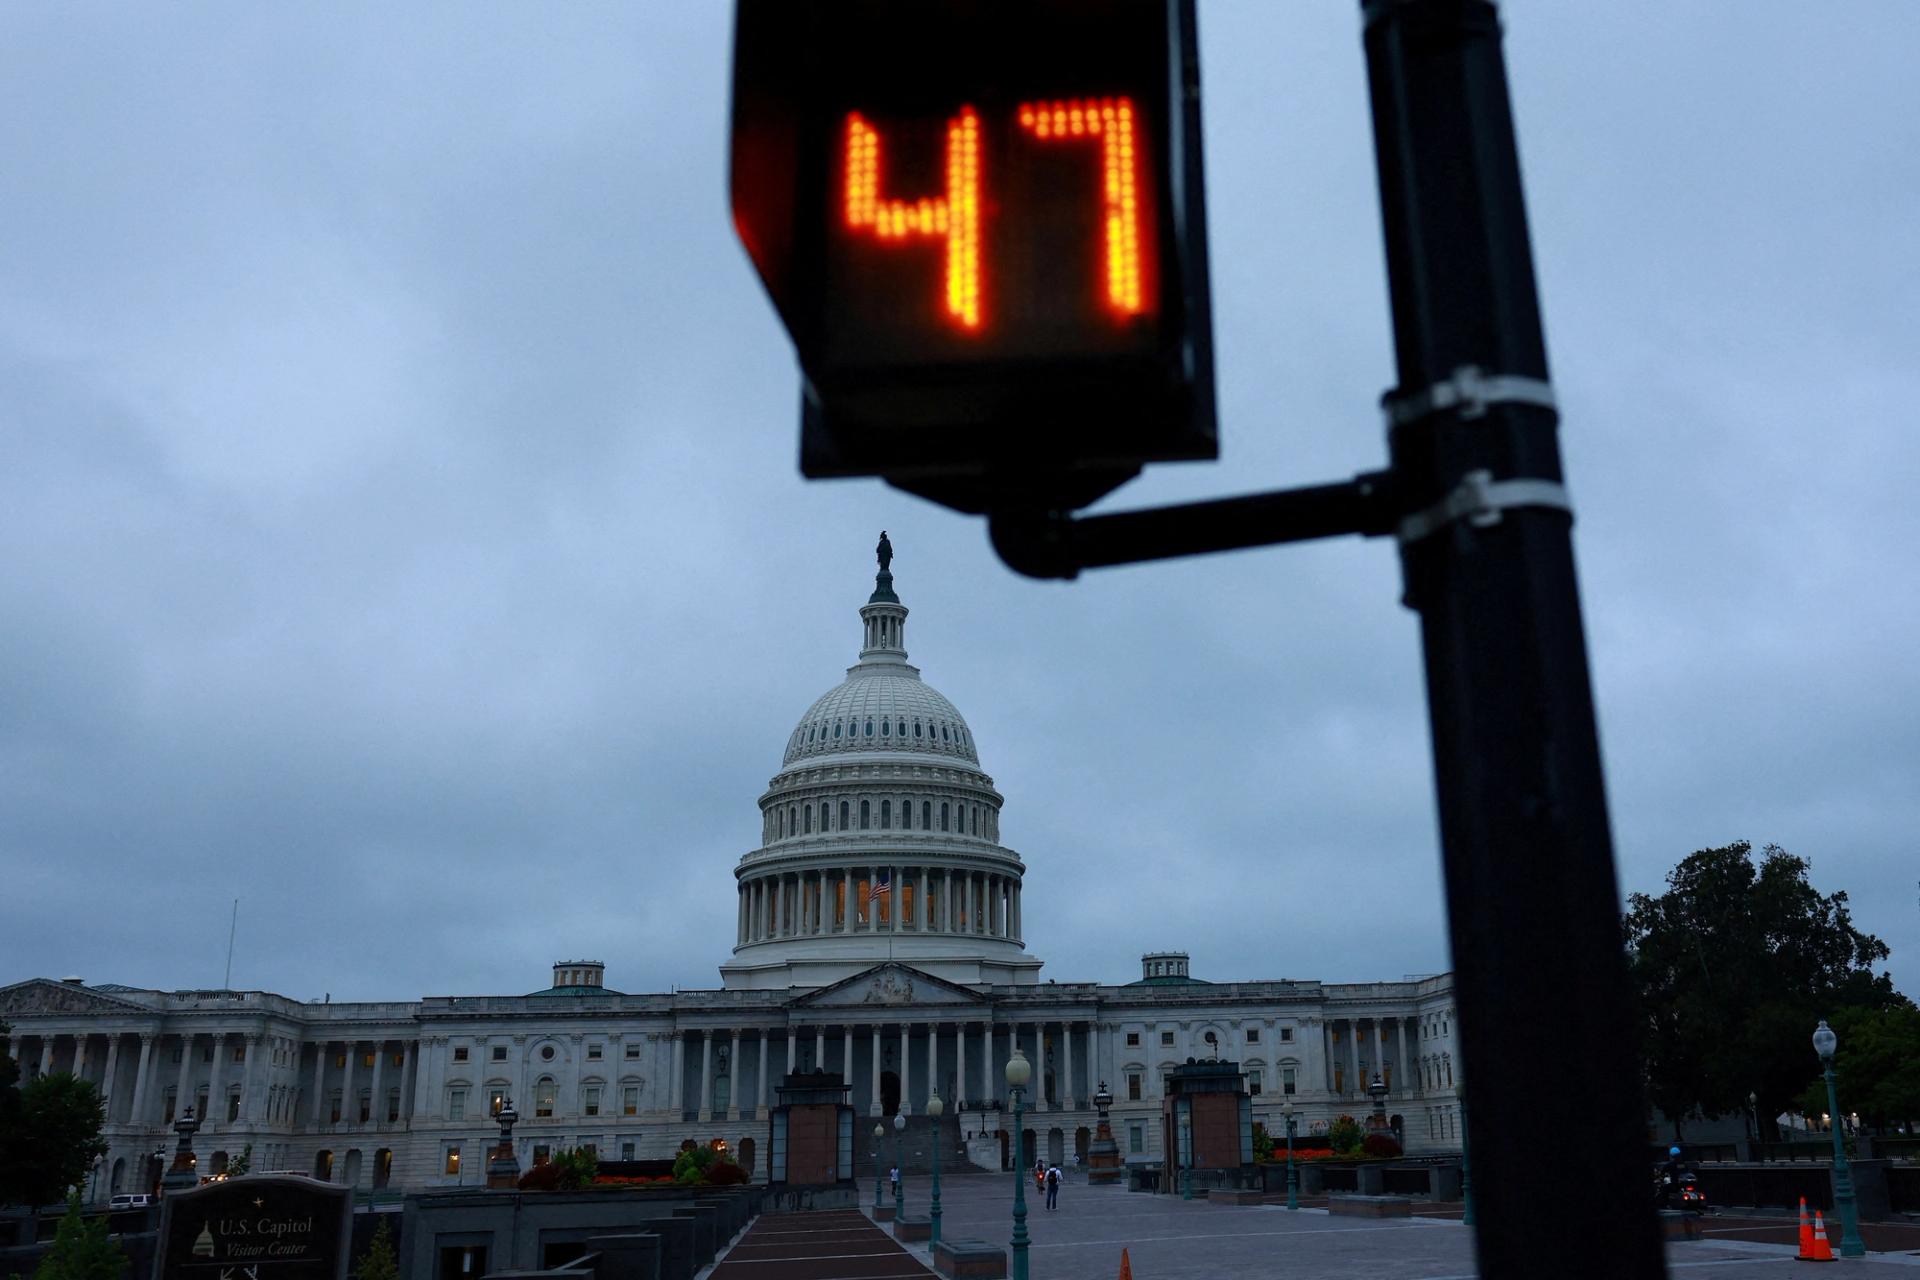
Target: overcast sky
(400, 530)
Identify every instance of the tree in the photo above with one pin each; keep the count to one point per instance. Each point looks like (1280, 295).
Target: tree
(1876, 1066)
(1733, 966)
(378, 1262)
(82, 1249)
(53, 1141)
(242, 1163)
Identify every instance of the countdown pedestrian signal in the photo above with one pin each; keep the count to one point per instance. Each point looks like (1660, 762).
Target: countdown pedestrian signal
(983, 225)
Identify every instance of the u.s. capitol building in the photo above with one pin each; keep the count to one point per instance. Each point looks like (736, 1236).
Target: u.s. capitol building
(878, 935)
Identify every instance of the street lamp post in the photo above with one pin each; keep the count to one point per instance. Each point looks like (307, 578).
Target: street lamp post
(899, 1166)
(934, 1108)
(1293, 1174)
(1019, 1071)
(879, 1135)
(1851, 1246)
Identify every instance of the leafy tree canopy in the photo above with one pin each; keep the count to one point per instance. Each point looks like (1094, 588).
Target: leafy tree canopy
(1876, 1066)
(49, 1145)
(1733, 967)
(82, 1249)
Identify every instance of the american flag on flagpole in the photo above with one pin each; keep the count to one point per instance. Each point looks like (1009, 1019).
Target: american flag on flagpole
(881, 883)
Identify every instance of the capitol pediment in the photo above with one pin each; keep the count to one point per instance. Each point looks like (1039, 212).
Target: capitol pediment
(888, 986)
(45, 996)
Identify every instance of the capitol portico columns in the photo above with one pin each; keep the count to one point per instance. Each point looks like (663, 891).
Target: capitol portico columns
(113, 1061)
(215, 1108)
(874, 1109)
(1066, 1035)
(733, 1078)
(181, 1098)
(1407, 1075)
(319, 1081)
(706, 1076)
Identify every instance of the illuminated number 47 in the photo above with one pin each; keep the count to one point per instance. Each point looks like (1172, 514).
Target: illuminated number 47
(955, 215)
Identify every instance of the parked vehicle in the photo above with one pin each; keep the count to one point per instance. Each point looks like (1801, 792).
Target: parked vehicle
(126, 1201)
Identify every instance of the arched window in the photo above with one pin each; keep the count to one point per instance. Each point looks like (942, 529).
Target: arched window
(809, 733)
(886, 815)
(844, 823)
(943, 733)
(779, 824)
(863, 815)
(903, 728)
(544, 1094)
(943, 815)
(809, 819)
(976, 819)
(906, 815)
(869, 728)
(926, 815)
(826, 811)
(836, 728)
(793, 821)
(916, 728)
(886, 727)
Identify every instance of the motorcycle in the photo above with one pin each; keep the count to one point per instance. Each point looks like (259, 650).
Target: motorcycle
(1679, 1191)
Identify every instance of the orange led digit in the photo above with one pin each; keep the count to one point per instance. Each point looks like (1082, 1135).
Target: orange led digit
(1111, 120)
(954, 217)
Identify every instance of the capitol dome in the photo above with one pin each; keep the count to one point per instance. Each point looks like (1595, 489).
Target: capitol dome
(879, 835)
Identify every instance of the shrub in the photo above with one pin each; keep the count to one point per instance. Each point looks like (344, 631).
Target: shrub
(542, 1177)
(692, 1164)
(1344, 1134)
(577, 1168)
(1381, 1145)
(725, 1173)
(1262, 1142)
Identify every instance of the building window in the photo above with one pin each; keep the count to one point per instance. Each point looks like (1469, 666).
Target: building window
(1286, 1080)
(809, 820)
(453, 1160)
(906, 815)
(365, 1109)
(593, 1053)
(944, 807)
(233, 1106)
(333, 1109)
(864, 811)
(1286, 1035)
(339, 1059)
(926, 815)
(592, 1105)
(633, 1053)
(393, 1106)
(459, 1053)
(886, 815)
(1166, 1039)
(366, 1059)
(1253, 1035)
(1133, 1039)
(630, 1101)
(239, 1053)
(1136, 1139)
(499, 1053)
(543, 1094)
(1133, 1086)
(1253, 1080)
(869, 728)
(843, 815)
(626, 1151)
(457, 1104)
(546, 1053)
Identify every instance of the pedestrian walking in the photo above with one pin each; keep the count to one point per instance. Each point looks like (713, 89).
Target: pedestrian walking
(1053, 1187)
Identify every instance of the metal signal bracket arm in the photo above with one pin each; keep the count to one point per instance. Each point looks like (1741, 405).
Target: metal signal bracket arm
(1054, 544)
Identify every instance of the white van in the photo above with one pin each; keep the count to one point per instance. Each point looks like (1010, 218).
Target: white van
(130, 1202)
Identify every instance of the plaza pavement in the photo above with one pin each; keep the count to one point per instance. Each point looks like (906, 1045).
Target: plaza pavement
(1172, 1239)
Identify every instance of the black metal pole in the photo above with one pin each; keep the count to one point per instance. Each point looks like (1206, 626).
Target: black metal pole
(1533, 908)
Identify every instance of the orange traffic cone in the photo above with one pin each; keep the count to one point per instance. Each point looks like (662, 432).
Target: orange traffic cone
(1126, 1267)
(1822, 1251)
(1806, 1233)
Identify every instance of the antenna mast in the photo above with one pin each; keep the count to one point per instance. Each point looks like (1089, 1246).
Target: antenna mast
(232, 927)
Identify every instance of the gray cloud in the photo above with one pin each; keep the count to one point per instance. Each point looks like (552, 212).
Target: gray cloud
(402, 531)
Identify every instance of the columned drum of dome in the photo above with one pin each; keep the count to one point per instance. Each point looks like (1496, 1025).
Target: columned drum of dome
(880, 836)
